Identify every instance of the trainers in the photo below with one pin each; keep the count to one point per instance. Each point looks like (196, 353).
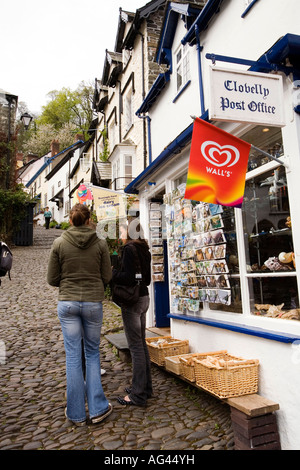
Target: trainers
(77, 423)
(103, 371)
(98, 419)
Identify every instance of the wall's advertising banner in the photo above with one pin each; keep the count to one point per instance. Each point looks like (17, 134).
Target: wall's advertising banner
(246, 97)
(217, 166)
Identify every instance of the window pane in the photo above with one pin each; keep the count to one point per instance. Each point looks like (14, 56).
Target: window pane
(265, 138)
(186, 68)
(179, 77)
(274, 297)
(266, 223)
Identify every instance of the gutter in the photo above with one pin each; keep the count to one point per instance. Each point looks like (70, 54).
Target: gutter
(49, 160)
(211, 7)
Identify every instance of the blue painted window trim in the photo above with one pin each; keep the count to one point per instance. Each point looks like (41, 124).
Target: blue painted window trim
(181, 91)
(267, 334)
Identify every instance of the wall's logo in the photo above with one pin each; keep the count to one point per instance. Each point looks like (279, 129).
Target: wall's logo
(217, 155)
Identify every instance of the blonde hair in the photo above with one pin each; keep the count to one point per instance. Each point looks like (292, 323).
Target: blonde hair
(79, 214)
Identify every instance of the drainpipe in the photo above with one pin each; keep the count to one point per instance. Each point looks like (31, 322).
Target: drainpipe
(199, 48)
(149, 136)
(120, 111)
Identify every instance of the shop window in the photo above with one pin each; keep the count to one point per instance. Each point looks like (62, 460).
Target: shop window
(267, 139)
(213, 250)
(269, 246)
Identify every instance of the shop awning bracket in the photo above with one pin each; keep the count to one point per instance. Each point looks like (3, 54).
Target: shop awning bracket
(251, 63)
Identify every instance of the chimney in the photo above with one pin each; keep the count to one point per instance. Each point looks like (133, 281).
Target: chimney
(54, 147)
(78, 137)
(20, 157)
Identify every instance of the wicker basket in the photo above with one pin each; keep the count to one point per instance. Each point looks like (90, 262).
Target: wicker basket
(161, 347)
(229, 376)
(172, 364)
(187, 363)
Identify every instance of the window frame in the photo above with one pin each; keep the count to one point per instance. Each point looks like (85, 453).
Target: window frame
(182, 66)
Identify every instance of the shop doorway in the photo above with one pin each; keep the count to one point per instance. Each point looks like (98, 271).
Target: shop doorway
(161, 295)
(159, 253)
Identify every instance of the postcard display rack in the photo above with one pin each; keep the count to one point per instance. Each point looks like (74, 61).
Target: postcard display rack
(197, 254)
(156, 242)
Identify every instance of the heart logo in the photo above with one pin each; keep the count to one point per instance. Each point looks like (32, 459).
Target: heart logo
(218, 155)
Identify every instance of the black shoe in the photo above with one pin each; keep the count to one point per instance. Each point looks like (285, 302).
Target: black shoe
(122, 401)
(129, 390)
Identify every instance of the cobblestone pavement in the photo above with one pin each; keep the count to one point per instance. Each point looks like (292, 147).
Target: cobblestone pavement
(32, 379)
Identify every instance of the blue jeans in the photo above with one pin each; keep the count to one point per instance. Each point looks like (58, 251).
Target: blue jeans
(82, 320)
(134, 320)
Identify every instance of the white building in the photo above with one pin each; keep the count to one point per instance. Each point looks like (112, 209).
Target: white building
(259, 315)
(50, 184)
(128, 73)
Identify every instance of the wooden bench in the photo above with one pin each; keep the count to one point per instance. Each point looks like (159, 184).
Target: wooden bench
(253, 419)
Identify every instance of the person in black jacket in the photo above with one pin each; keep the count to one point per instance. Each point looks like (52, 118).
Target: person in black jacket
(134, 318)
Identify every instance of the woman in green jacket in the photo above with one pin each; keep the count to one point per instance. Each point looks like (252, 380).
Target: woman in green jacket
(79, 265)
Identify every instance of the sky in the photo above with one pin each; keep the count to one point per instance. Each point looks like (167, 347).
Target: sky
(47, 46)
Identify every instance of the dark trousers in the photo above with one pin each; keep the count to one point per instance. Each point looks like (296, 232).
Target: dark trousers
(134, 320)
(47, 222)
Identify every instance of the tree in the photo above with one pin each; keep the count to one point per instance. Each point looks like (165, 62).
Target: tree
(72, 107)
(39, 141)
(13, 198)
(67, 113)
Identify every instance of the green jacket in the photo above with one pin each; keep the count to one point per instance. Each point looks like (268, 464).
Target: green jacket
(79, 264)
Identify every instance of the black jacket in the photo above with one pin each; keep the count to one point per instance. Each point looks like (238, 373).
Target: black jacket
(126, 275)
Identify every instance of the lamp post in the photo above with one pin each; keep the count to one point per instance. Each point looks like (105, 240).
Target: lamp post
(26, 119)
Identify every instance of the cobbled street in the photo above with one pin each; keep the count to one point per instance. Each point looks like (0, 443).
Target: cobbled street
(32, 379)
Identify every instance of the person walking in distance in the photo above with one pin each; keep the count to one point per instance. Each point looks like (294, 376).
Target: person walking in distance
(47, 216)
(79, 264)
(134, 316)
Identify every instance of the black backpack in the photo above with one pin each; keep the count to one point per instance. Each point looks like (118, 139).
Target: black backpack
(6, 259)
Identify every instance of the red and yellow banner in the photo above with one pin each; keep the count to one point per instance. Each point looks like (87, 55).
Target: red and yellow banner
(217, 166)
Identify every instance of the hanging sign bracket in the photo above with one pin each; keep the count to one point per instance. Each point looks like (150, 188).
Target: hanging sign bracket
(250, 63)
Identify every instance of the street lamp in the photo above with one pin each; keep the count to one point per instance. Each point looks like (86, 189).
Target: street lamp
(26, 119)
